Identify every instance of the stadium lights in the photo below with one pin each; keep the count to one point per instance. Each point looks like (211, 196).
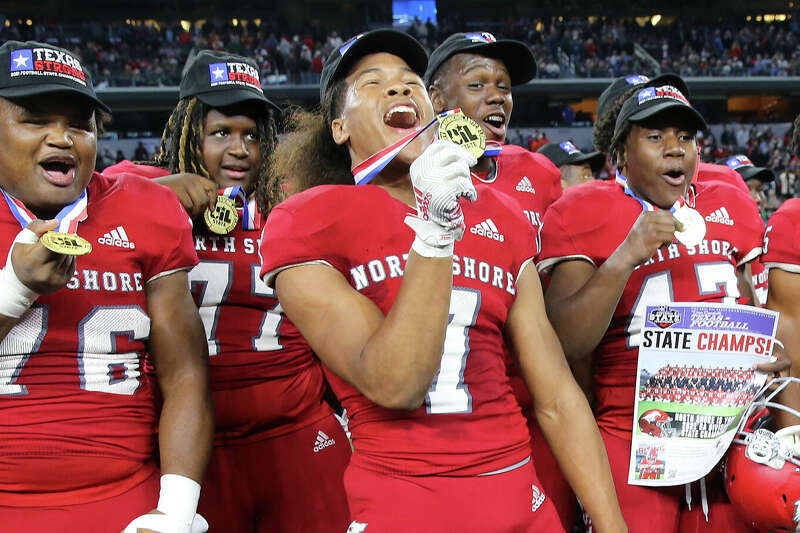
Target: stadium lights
(186, 25)
(655, 20)
(235, 22)
(257, 22)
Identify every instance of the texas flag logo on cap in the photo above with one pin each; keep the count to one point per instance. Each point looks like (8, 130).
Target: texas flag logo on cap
(482, 37)
(234, 73)
(738, 161)
(665, 91)
(346, 46)
(569, 147)
(46, 62)
(21, 59)
(636, 79)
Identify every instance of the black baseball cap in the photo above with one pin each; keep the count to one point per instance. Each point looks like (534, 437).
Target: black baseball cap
(220, 79)
(622, 84)
(393, 42)
(748, 171)
(516, 55)
(566, 153)
(31, 68)
(652, 101)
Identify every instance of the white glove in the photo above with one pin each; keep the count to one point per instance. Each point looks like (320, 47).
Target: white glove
(178, 501)
(440, 177)
(15, 296)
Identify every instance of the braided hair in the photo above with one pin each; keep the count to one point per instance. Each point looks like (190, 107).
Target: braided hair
(181, 149)
(603, 131)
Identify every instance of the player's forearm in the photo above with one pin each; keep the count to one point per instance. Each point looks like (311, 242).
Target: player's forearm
(570, 429)
(402, 357)
(582, 318)
(186, 428)
(789, 334)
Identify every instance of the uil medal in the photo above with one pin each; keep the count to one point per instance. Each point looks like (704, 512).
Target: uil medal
(223, 218)
(462, 130)
(694, 227)
(65, 243)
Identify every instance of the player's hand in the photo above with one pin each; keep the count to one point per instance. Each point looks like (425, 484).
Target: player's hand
(651, 231)
(157, 522)
(195, 192)
(779, 367)
(440, 177)
(38, 268)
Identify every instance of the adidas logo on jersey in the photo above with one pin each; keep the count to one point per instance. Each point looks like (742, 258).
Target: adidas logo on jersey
(323, 441)
(537, 498)
(117, 237)
(488, 229)
(720, 216)
(525, 185)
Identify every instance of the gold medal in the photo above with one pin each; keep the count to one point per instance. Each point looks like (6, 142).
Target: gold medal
(65, 243)
(462, 130)
(694, 227)
(224, 217)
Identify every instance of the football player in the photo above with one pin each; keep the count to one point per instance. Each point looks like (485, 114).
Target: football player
(275, 436)
(610, 248)
(413, 339)
(575, 166)
(475, 72)
(782, 259)
(79, 414)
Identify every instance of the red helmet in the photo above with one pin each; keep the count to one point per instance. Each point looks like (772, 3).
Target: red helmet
(762, 468)
(657, 423)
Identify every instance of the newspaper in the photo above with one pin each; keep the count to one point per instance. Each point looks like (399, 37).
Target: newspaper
(696, 379)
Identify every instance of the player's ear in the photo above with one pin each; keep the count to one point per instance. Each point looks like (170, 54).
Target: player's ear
(339, 131)
(438, 98)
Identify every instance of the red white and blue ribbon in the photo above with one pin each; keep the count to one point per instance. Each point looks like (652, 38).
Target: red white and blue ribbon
(646, 206)
(493, 148)
(365, 171)
(68, 218)
(237, 193)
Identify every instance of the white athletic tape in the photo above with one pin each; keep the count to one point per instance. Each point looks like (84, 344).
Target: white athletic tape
(15, 296)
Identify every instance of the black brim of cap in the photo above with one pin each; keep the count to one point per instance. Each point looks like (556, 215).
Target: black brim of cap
(596, 160)
(392, 42)
(235, 96)
(516, 56)
(698, 122)
(36, 90)
(762, 174)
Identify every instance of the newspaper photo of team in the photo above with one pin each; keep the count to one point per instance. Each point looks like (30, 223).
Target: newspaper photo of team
(379, 315)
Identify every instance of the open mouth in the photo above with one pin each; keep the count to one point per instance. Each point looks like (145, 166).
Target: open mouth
(495, 120)
(401, 116)
(59, 170)
(236, 171)
(674, 177)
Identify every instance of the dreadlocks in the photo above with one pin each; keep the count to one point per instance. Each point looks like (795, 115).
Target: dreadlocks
(603, 131)
(181, 149)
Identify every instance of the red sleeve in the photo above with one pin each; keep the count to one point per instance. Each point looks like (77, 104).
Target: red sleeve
(299, 230)
(172, 245)
(144, 171)
(557, 241)
(551, 175)
(748, 226)
(781, 246)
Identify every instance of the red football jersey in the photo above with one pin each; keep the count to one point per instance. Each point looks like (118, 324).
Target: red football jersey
(250, 340)
(528, 177)
(781, 243)
(708, 173)
(77, 414)
(470, 423)
(589, 222)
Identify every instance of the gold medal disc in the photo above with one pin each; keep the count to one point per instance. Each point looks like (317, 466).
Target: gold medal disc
(694, 227)
(65, 243)
(462, 130)
(224, 217)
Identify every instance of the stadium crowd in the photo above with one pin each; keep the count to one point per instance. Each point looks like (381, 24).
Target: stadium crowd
(123, 54)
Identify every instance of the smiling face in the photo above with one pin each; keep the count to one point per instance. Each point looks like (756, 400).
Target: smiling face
(659, 158)
(48, 146)
(481, 87)
(384, 101)
(231, 149)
